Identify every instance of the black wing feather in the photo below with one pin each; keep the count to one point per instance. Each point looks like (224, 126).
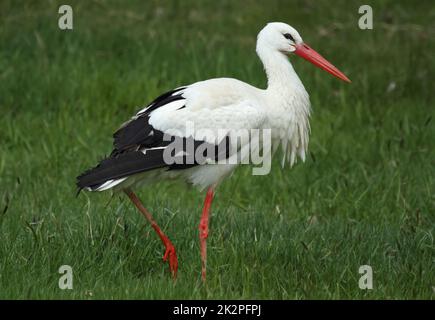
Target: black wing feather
(137, 148)
(121, 166)
(138, 132)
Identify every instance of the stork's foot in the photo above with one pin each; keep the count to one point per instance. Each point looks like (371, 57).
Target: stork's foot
(171, 256)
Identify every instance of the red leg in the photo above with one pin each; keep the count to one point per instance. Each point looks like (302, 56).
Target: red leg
(203, 230)
(170, 249)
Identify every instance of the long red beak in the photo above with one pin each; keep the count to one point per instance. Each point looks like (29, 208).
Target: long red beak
(304, 51)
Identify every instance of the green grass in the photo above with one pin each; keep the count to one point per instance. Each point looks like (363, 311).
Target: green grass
(366, 194)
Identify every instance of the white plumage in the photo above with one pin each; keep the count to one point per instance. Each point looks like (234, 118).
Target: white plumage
(213, 106)
(226, 103)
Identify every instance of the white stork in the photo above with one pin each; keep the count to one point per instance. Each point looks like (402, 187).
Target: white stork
(138, 156)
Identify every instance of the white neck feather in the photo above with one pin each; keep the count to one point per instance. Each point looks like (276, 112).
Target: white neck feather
(290, 107)
(279, 70)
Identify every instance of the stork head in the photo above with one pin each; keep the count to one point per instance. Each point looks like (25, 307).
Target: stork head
(278, 36)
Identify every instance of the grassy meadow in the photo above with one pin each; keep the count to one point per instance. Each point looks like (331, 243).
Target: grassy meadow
(365, 195)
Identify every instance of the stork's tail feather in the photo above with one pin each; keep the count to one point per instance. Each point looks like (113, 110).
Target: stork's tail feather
(115, 169)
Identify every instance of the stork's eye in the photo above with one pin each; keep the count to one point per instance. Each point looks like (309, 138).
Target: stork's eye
(289, 36)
